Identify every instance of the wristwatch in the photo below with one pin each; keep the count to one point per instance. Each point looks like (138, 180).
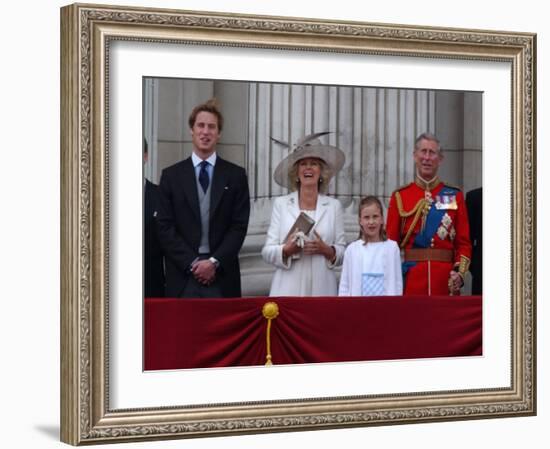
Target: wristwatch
(215, 261)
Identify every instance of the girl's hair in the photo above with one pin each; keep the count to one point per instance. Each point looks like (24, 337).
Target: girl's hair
(369, 200)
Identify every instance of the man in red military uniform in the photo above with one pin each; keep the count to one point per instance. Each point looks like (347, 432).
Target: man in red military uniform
(429, 220)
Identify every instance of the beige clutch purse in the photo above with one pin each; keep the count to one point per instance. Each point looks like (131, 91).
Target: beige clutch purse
(303, 223)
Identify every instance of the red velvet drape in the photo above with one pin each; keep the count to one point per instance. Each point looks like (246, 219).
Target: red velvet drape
(200, 333)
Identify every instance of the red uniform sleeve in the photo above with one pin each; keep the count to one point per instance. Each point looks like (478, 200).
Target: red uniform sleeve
(393, 221)
(463, 246)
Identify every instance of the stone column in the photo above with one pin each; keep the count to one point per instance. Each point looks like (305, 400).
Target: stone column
(472, 174)
(459, 128)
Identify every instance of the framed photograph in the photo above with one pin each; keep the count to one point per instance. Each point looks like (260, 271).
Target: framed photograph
(374, 128)
(109, 53)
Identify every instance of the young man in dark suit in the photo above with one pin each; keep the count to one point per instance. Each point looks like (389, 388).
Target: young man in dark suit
(153, 266)
(203, 218)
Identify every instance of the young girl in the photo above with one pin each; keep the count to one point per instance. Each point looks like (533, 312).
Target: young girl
(372, 264)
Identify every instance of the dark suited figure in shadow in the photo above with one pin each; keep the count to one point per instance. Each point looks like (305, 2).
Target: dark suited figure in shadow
(153, 264)
(474, 206)
(203, 219)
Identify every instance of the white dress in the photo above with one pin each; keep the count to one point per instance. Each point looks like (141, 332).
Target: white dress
(302, 275)
(373, 269)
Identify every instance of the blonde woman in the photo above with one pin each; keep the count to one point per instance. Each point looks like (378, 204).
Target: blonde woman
(305, 262)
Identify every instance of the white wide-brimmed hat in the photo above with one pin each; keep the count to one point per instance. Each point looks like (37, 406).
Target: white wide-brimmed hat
(309, 146)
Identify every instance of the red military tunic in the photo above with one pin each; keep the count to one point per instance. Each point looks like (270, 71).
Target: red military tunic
(447, 248)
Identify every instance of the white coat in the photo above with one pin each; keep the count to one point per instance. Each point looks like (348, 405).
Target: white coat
(377, 257)
(304, 275)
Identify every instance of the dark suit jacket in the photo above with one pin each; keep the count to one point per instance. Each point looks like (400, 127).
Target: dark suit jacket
(180, 225)
(474, 206)
(153, 266)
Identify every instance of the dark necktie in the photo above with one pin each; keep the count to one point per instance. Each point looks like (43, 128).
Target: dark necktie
(204, 179)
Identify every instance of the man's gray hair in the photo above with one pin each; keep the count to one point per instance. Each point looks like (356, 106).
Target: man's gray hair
(428, 136)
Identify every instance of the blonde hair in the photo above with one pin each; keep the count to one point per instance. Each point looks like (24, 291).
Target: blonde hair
(294, 181)
(369, 200)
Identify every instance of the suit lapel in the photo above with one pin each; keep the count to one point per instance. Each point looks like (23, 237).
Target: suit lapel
(189, 186)
(219, 184)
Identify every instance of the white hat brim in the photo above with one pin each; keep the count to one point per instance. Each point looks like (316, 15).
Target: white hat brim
(333, 157)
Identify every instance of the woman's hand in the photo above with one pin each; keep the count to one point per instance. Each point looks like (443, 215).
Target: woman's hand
(291, 247)
(318, 246)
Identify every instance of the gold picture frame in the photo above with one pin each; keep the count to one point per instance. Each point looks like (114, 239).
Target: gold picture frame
(87, 32)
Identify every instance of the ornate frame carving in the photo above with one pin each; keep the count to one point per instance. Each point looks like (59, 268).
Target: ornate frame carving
(86, 34)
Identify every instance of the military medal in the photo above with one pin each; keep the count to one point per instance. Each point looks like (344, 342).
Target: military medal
(442, 232)
(446, 202)
(452, 233)
(440, 202)
(452, 202)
